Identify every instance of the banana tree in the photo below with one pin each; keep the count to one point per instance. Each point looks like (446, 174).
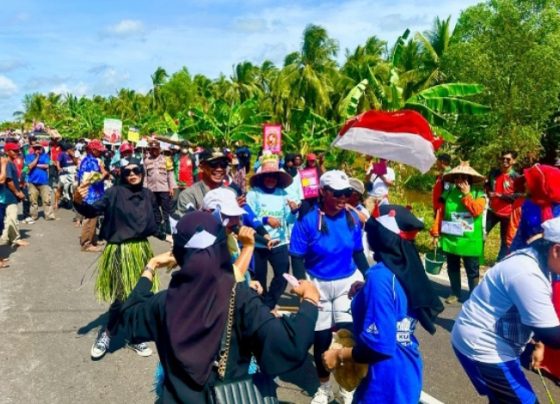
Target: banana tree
(223, 124)
(439, 104)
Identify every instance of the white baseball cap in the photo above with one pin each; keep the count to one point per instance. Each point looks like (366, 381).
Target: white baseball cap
(335, 179)
(224, 200)
(552, 230)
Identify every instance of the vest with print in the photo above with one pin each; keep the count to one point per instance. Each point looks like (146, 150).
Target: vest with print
(471, 243)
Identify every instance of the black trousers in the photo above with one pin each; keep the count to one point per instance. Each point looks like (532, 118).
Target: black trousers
(491, 221)
(472, 267)
(165, 202)
(279, 260)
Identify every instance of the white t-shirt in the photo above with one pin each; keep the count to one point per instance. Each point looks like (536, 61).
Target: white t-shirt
(494, 325)
(380, 189)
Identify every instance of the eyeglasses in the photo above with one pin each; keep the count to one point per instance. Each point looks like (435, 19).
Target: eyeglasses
(508, 159)
(217, 164)
(339, 193)
(133, 170)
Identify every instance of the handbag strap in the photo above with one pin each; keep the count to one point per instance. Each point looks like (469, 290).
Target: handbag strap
(226, 336)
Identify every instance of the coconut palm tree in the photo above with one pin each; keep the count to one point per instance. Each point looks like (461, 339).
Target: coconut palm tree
(306, 79)
(158, 79)
(244, 84)
(434, 46)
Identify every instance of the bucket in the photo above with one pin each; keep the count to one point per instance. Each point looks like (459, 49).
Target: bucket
(433, 261)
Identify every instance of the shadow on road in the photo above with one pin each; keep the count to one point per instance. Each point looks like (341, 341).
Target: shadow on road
(304, 377)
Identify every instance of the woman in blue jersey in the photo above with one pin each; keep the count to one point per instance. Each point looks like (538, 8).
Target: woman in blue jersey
(326, 246)
(395, 297)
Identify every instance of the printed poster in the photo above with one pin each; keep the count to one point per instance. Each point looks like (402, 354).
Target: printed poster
(309, 183)
(272, 138)
(112, 130)
(133, 135)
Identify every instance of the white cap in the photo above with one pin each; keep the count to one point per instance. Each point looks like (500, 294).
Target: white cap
(389, 222)
(224, 200)
(552, 230)
(335, 179)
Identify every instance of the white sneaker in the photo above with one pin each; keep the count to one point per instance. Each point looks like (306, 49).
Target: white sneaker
(324, 394)
(344, 396)
(142, 349)
(28, 220)
(100, 346)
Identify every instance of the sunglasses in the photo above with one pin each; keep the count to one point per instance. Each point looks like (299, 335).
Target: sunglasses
(506, 159)
(339, 193)
(218, 164)
(133, 170)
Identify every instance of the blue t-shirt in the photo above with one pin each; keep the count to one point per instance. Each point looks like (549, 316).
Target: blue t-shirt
(272, 204)
(327, 256)
(38, 176)
(65, 160)
(97, 190)
(11, 175)
(383, 324)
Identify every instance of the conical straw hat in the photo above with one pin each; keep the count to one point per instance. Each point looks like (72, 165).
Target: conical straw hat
(463, 169)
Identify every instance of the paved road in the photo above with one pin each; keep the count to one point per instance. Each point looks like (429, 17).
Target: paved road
(49, 318)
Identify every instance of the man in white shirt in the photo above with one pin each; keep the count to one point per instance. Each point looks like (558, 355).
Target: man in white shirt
(512, 304)
(380, 178)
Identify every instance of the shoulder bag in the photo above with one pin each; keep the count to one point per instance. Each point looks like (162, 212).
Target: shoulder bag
(242, 391)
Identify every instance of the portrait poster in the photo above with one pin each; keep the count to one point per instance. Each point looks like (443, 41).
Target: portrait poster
(112, 130)
(272, 138)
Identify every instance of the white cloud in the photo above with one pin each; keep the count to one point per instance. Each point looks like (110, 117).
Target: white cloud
(78, 89)
(250, 25)
(7, 87)
(126, 28)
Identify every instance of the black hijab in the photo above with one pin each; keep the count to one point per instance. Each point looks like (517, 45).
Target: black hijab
(293, 169)
(401, 257)
(198, 295)
(124, 179)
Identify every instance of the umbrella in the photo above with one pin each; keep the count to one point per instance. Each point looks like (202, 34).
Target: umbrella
(403, 136)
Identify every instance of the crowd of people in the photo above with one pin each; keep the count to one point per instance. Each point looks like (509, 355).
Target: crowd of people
(346, 246)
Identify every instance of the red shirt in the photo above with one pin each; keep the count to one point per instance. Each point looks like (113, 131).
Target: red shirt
(55, 151)
(436, 193)
(502, 184)
(185, 174)
(18, 161)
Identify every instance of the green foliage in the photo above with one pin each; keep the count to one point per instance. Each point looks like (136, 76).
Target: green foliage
(510, 47)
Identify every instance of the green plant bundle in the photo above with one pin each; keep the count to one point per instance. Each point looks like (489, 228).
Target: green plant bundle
(120, 267)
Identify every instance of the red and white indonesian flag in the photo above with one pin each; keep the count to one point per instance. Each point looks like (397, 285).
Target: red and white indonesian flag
(403, 136)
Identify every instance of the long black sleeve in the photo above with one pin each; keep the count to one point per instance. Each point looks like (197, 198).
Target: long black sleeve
(361, 261)
(96, 209)
(281, 344)
(298, 268)
(142, 314)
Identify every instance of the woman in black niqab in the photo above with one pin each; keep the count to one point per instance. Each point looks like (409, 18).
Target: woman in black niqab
(198, 295)
(399, 254)
(188, 321)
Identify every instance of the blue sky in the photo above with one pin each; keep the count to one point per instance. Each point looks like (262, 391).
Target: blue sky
(96, 47)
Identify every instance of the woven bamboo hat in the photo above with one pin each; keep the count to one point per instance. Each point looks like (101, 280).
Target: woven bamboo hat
(464, 169)
(271, 165)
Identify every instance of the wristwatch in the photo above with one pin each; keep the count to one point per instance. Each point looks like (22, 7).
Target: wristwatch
(150, 269)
